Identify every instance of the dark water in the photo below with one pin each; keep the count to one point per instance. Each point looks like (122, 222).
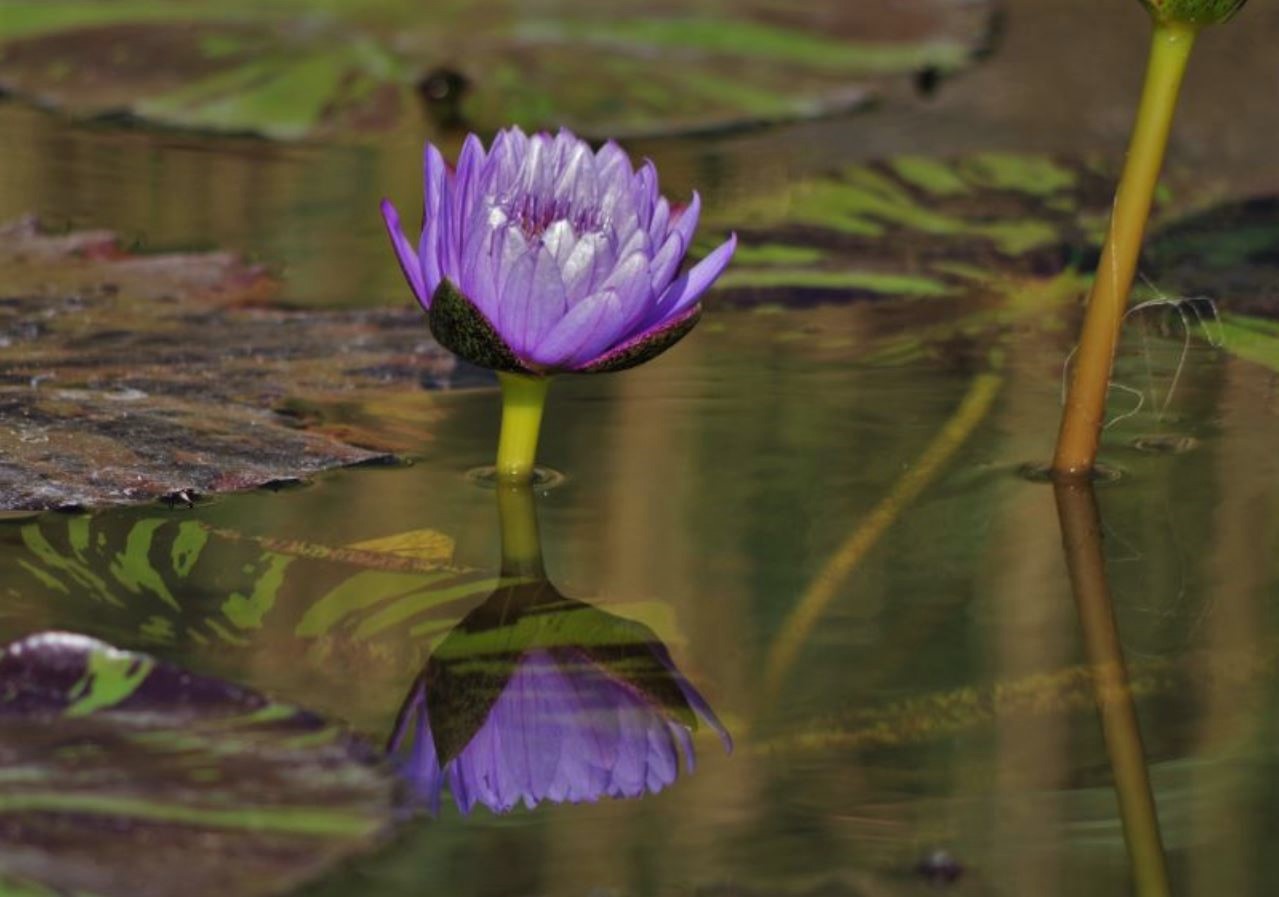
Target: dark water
(940, 699)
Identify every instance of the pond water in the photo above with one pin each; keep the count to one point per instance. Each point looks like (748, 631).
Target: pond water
(931, 726)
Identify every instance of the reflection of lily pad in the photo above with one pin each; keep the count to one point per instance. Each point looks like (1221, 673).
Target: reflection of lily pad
(125, 775)
(131, 377)
(914, 227)
(300, 615)
(288, 68)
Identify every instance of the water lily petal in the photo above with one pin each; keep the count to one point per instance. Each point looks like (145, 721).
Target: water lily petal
(684, 220)
(592, 321)
(666, 262)
(533, 301)
(586, 266)
(631, 282)
(685, 291)
(435, 179)
(470, 165)
(409, 261)
(659, 225)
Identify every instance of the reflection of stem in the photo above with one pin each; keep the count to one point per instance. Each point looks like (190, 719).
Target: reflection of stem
(523, 398)
(804, 617)
(521, 542)
(1086, 403)
(1081, 535)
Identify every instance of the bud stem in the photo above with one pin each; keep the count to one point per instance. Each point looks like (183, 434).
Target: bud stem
(1086, 401)
(523, 398)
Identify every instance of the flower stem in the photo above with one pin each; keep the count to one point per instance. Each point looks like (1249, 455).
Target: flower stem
(1086, 402)
(523, 398)
(521, 542)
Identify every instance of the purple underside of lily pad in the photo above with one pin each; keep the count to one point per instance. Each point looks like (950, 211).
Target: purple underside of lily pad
(127, 775)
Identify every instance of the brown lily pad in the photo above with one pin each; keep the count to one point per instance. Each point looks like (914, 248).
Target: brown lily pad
(285, 70)
(130, 377)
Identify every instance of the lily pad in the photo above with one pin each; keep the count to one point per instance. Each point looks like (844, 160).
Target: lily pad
(126, 775)
(292, 68)
(1225, 262)
(1228, 253)
(131, 377)
(914, 227)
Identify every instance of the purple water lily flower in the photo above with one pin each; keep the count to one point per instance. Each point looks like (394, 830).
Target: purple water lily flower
(542, 256)
(535, 697)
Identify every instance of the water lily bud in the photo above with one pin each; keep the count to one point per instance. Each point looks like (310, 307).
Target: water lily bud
(1194, 12)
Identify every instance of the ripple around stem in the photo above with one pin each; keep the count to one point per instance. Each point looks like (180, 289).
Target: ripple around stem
(544, 478)
(1042, 472)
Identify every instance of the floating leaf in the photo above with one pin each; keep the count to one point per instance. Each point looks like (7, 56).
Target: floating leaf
(1228, 254)
(132, 377)
(289, 68)
(913, 227)
(1224, 261)
(125, 775)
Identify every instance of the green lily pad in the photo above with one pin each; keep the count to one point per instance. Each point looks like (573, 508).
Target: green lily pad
(125, 775)
(1225, 262)
(131, 377)
(914, 227)
(1228, 253)
(292, 68)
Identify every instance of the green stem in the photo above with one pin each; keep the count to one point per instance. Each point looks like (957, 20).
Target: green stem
(521, 541)
(523, 398)
(1086, 402)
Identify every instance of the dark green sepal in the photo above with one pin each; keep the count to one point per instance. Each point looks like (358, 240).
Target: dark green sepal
(1194, 12)
(645, 347)
(459, 326)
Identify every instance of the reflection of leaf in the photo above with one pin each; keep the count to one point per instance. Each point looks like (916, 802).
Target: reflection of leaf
(129, 776)
(288, 68)
(373, 589)
(422, 544)
(132, 377)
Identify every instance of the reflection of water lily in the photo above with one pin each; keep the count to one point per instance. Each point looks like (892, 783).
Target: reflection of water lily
(535, 697)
